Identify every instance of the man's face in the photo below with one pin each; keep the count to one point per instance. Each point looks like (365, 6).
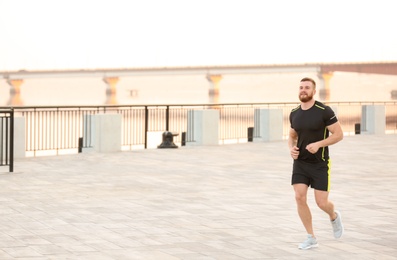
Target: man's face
(306, 91)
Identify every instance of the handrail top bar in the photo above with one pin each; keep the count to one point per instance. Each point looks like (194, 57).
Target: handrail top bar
(190, 105)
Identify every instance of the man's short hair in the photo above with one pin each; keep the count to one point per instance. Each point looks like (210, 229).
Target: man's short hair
(309, 79)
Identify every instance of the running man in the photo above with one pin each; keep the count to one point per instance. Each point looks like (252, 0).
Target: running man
(309, 138)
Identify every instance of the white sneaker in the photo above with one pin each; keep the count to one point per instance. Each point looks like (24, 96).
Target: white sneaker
(310, 242)
(337, 225)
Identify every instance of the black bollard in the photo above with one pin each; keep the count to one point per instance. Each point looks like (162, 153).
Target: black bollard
(168, 140)
(357, 129)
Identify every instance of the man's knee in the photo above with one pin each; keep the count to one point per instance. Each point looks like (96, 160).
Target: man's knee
(322, 204)
(300, 198)
(322, 199)
(300, 193)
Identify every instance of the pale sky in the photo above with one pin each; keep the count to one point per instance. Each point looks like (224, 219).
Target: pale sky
(81, 34)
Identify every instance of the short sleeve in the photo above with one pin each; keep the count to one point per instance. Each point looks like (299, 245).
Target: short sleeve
(329, 116)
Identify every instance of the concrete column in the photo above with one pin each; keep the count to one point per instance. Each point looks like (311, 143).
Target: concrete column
(103, 132)
(111, 90)
(15, 92)
(268, 125)
(393, 94)
(373, 119)
(325, 86)
(203, 127)
(19, 137)
(213, 92)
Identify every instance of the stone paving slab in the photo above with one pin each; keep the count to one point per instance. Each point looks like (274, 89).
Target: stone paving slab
(214, 202)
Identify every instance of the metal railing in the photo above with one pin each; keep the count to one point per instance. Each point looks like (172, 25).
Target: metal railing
(59, 129)
(7, 138)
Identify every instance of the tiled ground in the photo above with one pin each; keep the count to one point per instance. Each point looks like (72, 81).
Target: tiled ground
(214, 202)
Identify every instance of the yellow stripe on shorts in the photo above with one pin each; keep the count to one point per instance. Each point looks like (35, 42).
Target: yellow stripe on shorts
(329, 175)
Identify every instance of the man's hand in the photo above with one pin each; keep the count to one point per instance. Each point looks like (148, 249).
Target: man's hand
(294, 152)
(312, 148)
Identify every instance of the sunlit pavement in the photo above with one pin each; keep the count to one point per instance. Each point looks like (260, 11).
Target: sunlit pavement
(211, 202)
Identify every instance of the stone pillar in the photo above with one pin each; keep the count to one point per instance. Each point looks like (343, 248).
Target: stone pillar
(203, 127)
(393, 94)
(102, 132)
(325, 86)
(268, 125)
(19, 137)
(373, 119)
(111, 90)
(213, 92)
(15, 92)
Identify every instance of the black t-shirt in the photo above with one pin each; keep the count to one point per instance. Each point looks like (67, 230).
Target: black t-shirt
(311, 126)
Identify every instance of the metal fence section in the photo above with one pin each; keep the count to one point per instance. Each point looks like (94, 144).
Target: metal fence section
(349, 115)
(53, 129)
(236, 119)
(7, 138)
(60, 129)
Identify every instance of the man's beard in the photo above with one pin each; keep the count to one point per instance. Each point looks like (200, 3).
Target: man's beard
(306, 98)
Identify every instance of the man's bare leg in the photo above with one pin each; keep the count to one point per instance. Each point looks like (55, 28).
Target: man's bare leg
(303, 209)
(323, 203)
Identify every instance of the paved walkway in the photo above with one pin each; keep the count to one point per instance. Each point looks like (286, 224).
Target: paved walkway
(219, 202)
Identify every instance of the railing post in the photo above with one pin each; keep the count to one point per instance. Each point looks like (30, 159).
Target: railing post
(146, 124)
(12, 140)
(167, 118)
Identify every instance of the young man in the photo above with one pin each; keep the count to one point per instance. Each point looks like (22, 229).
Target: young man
(309, 138)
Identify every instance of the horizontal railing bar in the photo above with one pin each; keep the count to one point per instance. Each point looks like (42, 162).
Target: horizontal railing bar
(190, 105)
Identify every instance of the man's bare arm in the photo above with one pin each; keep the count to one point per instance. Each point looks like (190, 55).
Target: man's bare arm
(292, 141)
(336, 136)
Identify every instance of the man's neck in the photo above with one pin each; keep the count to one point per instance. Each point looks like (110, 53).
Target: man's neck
(308, 104)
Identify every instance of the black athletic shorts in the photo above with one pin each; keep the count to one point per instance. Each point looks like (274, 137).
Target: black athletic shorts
(316, 175)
